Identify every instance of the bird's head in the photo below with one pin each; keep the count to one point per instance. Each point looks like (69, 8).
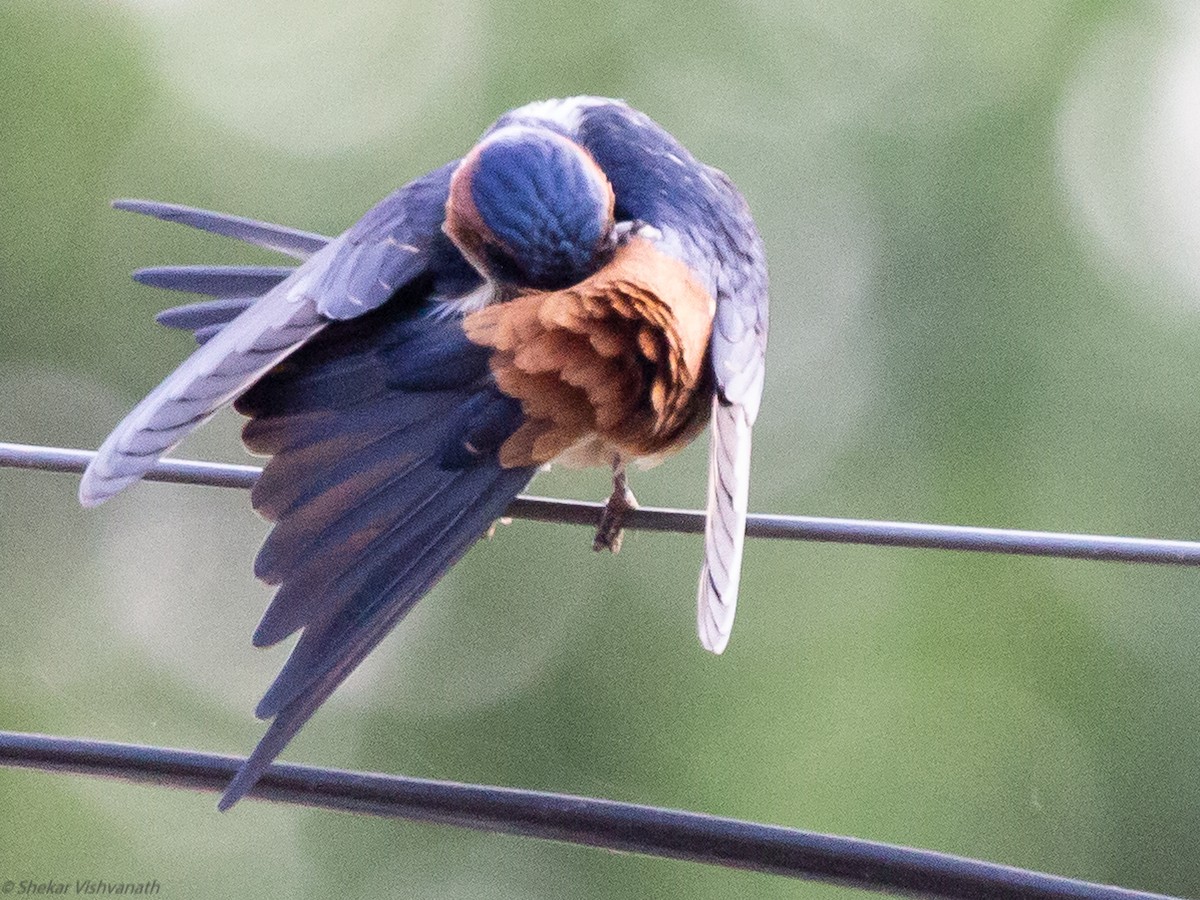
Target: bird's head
(531, 209)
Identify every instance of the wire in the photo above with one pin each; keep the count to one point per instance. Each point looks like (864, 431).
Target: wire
(587, 821)
(796, 528)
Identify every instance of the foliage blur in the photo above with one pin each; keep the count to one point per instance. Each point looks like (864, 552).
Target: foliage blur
(983, 223)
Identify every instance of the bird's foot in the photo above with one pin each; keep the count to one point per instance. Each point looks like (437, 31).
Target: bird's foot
(610, 532)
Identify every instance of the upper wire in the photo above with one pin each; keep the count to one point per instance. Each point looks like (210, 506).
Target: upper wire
(796, 528)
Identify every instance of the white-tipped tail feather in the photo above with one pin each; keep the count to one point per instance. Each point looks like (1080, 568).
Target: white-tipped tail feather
(725, 528)
(219, 371)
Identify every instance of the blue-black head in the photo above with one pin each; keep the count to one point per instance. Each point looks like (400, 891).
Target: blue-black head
(531, 209)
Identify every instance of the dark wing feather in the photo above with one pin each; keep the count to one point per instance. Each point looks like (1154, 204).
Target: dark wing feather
(328, 653)
(375, 491)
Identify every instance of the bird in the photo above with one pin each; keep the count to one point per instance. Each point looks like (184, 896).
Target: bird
(576, 289)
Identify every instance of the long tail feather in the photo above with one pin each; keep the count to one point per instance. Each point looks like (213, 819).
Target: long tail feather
(725, 528)
(194, 316)
(215, 281)
(280, 238)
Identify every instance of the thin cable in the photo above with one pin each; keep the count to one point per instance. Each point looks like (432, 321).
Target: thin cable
(591, 822)
(796, 528)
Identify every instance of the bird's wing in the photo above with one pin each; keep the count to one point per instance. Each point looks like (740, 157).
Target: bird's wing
(738, 346)
(382, 420)
(384, 434)
(390, 247)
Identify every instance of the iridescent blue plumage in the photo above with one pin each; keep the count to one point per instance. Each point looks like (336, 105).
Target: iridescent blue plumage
(531, 209)
(547, 205)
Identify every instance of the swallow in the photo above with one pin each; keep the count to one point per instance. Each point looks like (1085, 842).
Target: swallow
(577, 289)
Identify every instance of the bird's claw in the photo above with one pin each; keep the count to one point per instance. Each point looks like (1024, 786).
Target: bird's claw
(610, 532)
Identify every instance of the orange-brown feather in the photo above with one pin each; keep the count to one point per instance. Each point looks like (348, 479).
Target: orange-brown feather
(606, 340)
(619, 359)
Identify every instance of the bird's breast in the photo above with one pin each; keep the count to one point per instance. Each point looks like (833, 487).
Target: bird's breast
(613, 366)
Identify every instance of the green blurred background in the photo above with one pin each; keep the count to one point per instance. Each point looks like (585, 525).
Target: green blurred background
(983, 223)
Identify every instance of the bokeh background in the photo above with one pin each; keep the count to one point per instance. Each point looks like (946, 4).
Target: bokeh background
(983, 223)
